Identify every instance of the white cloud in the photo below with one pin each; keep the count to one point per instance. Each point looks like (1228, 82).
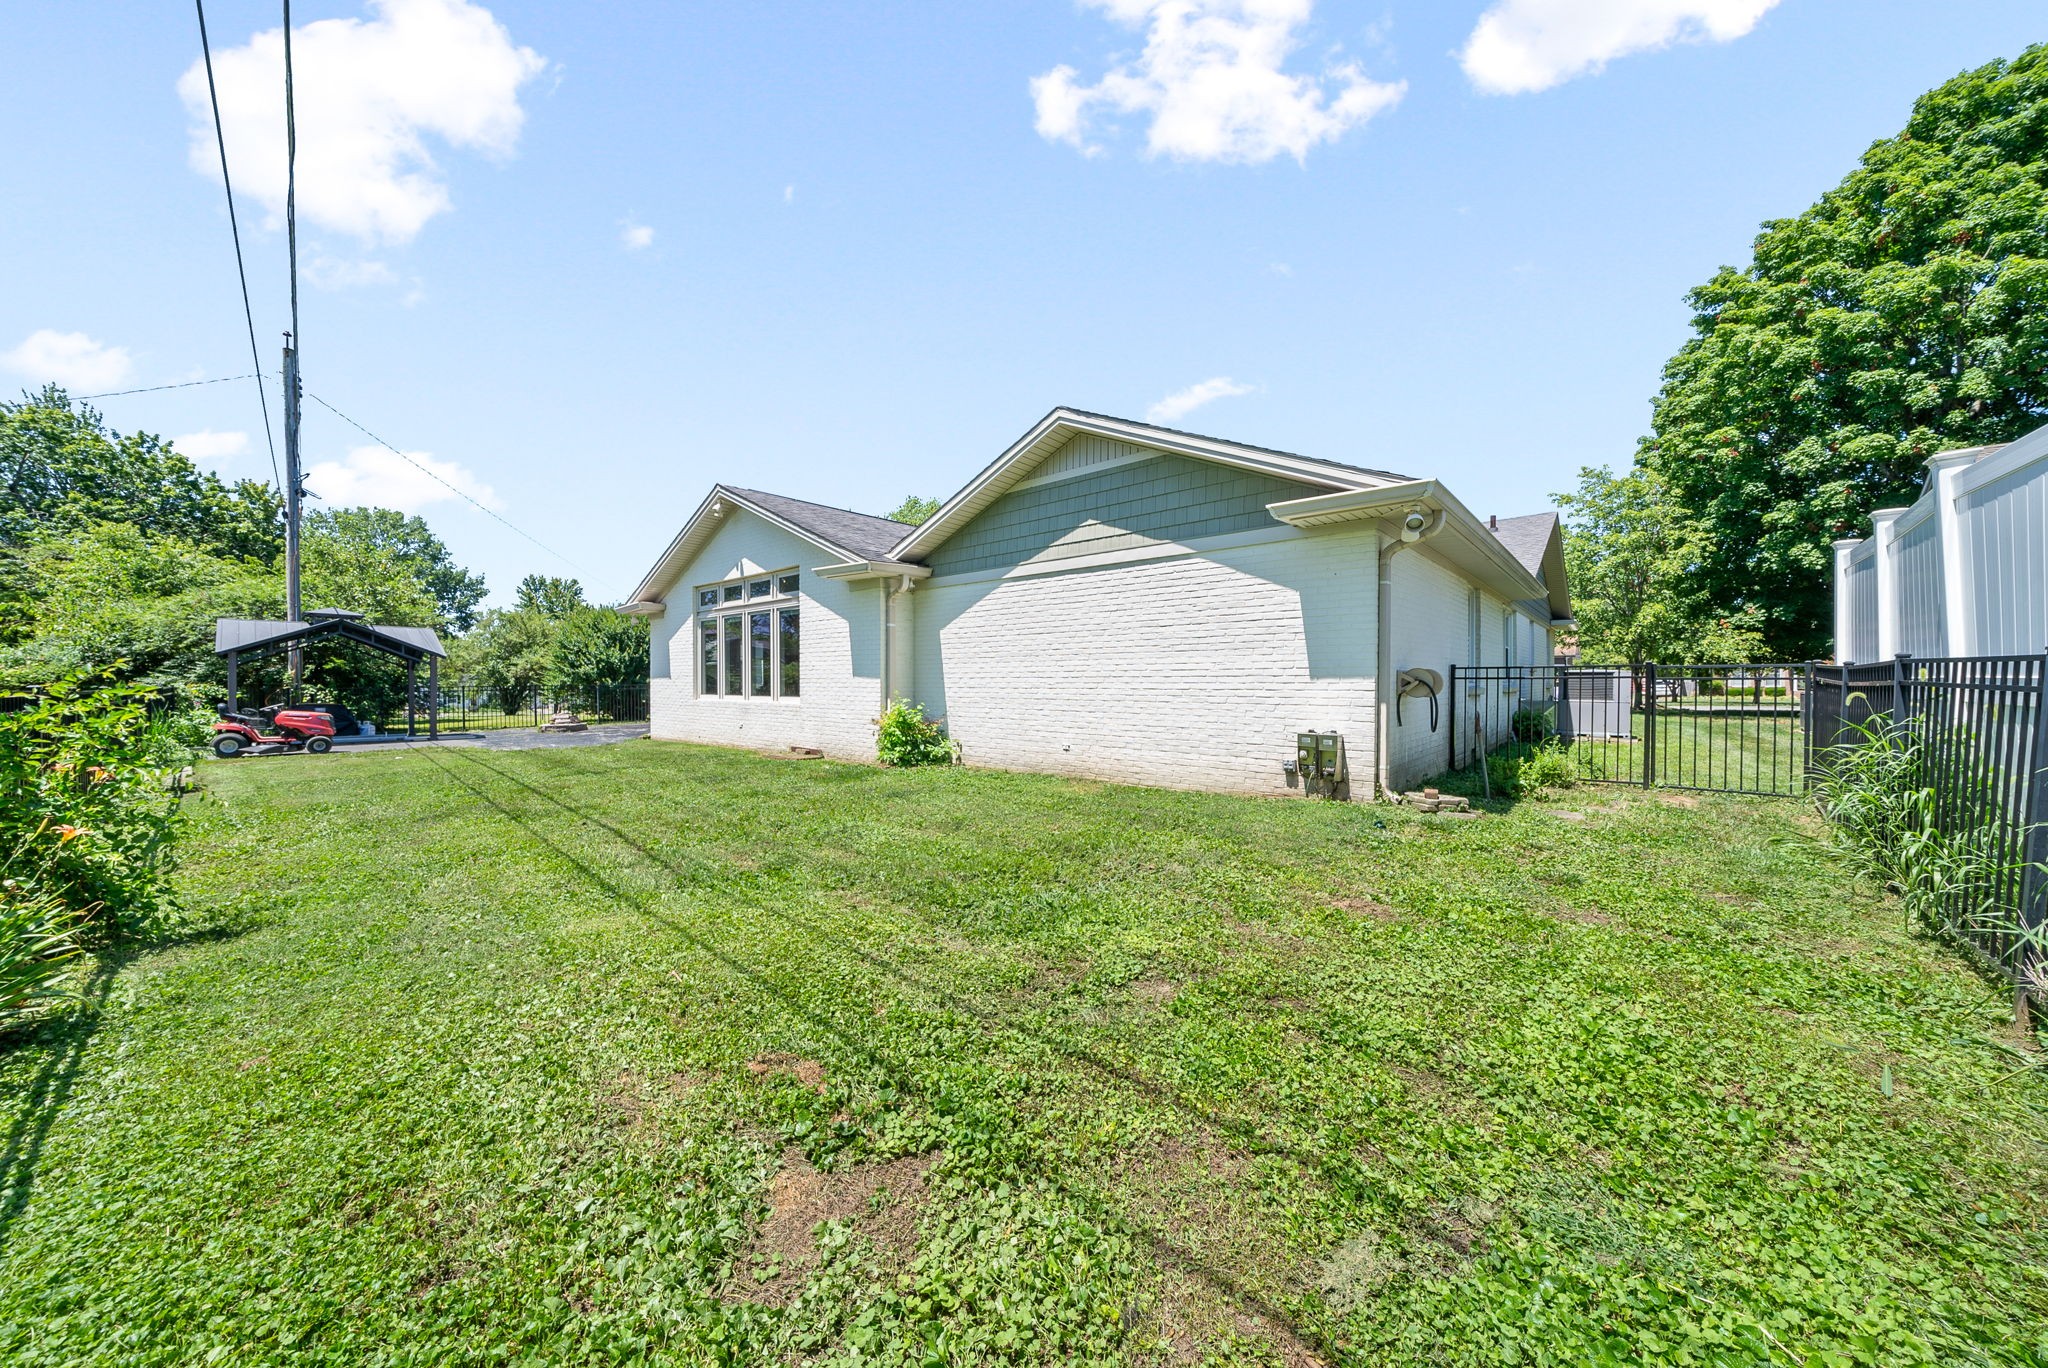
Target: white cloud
(1212, 82)
(216, 449)
(789, 194)
(368, 93)
(1183, 402)
(336, 273)
(635, 235)
(72, 360)
(1528, 45)
(372, 475)
(1280, 268)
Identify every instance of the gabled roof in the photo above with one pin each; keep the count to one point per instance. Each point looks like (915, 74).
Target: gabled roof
(1537, 541)
(865, 536)
(1527, 536)
(249, 634)
(843, 533)
(1057, 427)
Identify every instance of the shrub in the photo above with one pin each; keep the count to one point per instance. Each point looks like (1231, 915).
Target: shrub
(38, 938)
(1532, 725)
(87, 818)
(906, 737)
(1550, 767)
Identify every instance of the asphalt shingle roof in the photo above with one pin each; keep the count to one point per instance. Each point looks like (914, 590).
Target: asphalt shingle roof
(1248, 446)
(867, 536)
(1526, 538)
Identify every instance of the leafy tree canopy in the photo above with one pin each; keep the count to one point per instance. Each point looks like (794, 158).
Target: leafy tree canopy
(1904, 314)
(60, 466)
(457, 593)
(596, 648)
(913, 510)
(548, 596)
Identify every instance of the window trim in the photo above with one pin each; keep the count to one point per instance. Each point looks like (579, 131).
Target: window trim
(725, 612)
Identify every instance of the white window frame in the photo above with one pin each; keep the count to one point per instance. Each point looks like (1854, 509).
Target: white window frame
(742, 609)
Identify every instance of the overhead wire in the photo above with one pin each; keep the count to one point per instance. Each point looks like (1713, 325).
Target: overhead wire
(438, 479)
(182, 384)
(241, 271)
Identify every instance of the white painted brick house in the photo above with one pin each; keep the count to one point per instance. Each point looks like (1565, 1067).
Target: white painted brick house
(1108, 600)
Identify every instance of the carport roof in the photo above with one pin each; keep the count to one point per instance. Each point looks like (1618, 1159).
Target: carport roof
(250, 634)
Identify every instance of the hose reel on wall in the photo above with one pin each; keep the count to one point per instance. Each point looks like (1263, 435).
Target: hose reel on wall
(1418, 683)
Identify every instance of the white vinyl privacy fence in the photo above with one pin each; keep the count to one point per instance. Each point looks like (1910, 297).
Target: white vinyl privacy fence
(1963, 572)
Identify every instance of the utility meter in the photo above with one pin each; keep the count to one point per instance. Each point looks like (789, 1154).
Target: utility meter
(1319, 759)
(1330, 757)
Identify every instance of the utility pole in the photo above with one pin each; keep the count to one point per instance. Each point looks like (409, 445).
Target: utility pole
(292, 605)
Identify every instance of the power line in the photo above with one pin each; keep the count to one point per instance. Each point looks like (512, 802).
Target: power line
(460, 493)
(234, 226)
(188, 384)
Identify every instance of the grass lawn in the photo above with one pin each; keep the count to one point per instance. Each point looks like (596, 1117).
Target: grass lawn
(657, 1053)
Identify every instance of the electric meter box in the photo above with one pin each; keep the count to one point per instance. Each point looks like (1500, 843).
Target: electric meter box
(1319, 755)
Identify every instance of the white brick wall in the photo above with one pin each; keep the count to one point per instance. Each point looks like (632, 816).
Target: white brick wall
(1193, 671)
(840, 634)
(1431, 629)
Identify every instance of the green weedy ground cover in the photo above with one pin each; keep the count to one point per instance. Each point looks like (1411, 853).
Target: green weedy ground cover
(560, 1056)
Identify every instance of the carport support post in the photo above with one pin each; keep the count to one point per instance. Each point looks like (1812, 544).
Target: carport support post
(234, 658)
(433, 698)
(412, 685)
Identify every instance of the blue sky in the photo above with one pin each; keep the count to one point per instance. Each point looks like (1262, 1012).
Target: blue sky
(585, 260)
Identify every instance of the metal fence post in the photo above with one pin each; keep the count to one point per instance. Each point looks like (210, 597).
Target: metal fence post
(1649, 677)
(1451, 723)
(2033, 908)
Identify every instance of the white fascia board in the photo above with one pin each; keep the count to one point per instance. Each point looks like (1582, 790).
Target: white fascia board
(1059, 425)
(707, 516)
(1486, 557)
(865, 570)
(642, 607)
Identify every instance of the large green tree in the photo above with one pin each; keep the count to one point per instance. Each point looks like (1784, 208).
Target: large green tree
(457, 593)
(60, 466)
(1904, 314)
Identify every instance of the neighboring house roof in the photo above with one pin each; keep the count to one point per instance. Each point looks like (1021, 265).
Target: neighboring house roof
(1526, 536)
(247, 634)
(850, 536)
(863, 535)
(1054, 430)
(1537, 541)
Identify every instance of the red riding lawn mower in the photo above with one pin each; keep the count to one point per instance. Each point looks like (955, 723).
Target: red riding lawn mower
(290, 729)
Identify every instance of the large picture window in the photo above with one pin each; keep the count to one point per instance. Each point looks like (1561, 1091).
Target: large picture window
(749, 638)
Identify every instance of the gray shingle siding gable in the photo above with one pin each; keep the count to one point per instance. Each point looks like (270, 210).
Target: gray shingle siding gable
(1164, 498)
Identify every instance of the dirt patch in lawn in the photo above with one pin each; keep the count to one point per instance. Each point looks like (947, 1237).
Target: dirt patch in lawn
(1154, 992)
(881, 1202)
(808, 1072)
(1367, 907)
(633, 1095)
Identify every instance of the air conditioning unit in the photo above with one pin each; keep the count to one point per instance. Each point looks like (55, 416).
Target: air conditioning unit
(1598, 704)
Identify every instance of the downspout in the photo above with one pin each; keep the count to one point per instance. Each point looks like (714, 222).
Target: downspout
(889, 597)
(1412, 532)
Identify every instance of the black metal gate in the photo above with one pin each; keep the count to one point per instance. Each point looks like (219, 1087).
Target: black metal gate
(1706, 728)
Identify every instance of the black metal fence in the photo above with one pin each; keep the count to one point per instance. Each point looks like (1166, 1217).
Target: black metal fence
(1709, 728)
(1978, 729)
(464, 706)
